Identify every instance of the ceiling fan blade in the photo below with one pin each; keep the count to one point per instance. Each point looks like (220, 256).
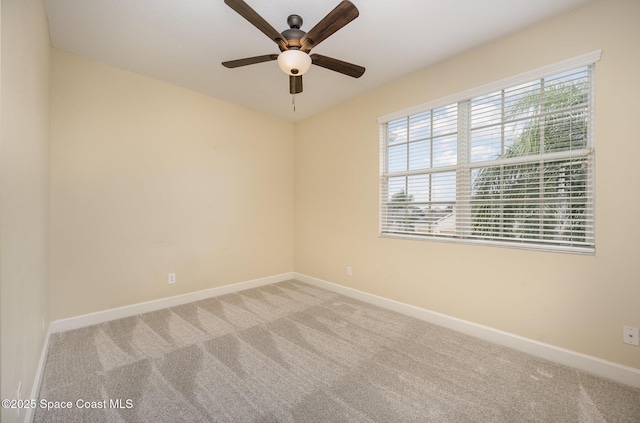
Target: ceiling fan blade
(249, 61)
(244, 10)
(343, 13)
(295, 84)
(337, 65)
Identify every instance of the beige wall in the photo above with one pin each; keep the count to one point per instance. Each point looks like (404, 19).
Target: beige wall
(24, 194)
(149, 179)
(572, 301)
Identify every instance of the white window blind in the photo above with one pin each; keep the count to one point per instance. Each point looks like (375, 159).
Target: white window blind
(511, 166)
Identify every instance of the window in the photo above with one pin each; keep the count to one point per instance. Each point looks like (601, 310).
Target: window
(508, 164)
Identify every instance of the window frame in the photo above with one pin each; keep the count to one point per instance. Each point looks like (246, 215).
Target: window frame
(463, 101)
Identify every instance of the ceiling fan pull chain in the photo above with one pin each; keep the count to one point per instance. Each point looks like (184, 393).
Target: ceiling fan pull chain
(293, 101)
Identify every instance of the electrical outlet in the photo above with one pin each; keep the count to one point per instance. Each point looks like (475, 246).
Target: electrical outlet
(348, 270)
(172, 278)
(630, 335)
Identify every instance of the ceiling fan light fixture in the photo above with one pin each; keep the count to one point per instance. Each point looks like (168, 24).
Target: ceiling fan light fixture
(294, 62)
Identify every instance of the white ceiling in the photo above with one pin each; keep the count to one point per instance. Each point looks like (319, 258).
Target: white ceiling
(183, 42)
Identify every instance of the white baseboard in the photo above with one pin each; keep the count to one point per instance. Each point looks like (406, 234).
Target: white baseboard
(607, 369)
(619, 373)
(135, 309)
(37, 381)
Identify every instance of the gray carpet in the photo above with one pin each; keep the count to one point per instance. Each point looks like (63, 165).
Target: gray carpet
(290, 352)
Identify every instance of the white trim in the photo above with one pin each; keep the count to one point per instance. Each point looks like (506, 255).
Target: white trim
(37, 380)
(597, 366)
(135, 309)
(607, 369)
(564, 65)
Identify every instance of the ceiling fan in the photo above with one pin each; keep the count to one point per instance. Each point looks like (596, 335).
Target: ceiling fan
(296, 44)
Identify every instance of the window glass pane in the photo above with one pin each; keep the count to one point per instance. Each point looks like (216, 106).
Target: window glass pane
(566, 96)
(565, 131)
(401, 210)
(512, 131)
(445, 151)
(578, 77)
(397, 158)
(486, 144)
(397, 131)
(521, 182)
(566, 199)
(419, 188)
(420, 126)
(445, 120)
(443, 186)
(420, 155)
(440, 219)
(486, 183)
(486, 204)
(523, 139)
(566, 178)
(396, 186)
(486, 110)
(522, 101)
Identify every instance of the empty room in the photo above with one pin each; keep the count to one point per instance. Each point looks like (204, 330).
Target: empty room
(344, 211)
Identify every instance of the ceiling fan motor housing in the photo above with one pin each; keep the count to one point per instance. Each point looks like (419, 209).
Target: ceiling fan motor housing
(293, 35)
